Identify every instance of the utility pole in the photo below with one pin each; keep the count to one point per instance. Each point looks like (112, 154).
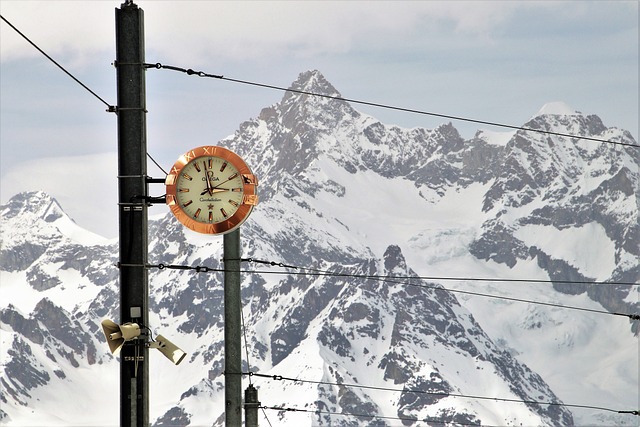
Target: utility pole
(251, 405)
(132, 188)
(232, 342)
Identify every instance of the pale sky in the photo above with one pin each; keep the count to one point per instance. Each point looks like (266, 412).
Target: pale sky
(492, 61)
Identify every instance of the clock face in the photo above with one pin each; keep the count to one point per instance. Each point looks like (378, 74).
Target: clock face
(211, 190)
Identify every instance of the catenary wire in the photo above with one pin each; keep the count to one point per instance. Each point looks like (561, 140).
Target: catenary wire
(382, 417)
(156, 163)
(266, 416)
(246, 344)
(456, 279)
(113, 109)
(459, 291)
(394, 279)
(387, 279)
(190, 71)
(110, 108)
(443, 394)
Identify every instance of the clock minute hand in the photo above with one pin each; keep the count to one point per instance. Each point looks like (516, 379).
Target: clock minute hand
(213, 191)
(234, 176)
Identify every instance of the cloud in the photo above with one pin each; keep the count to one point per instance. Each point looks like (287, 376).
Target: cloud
(186, 31)
(61, 28)
(239, 30)
(243, 31)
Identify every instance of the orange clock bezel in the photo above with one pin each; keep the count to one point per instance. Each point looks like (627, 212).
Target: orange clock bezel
(249, 200)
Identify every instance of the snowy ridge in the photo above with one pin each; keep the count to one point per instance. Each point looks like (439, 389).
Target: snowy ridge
(557, 108)
(345, 193)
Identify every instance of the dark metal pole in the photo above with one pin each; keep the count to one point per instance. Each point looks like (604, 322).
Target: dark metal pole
(132, 171)
(251, 405)
(232, 342)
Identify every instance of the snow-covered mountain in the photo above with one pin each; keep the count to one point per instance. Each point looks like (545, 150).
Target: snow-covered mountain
(341, 192)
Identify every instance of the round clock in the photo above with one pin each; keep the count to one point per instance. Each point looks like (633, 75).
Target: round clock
(211, 190)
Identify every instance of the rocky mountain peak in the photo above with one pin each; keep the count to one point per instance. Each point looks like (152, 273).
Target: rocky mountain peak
(394, 261)
(33, 204)
(314, 81)
(310, 123)
(292, 134)
(310, 105)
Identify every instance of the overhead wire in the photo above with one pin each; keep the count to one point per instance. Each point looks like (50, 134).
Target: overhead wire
(381, 417)
(442, 394)
(190, 72)
(457, 279)
(428, 420)
(394, 279)
(387, 279)
(110, 108)
(156, 163)
(266, 416)
(246, 344)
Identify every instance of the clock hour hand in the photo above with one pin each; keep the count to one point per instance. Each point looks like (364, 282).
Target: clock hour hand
(206, 178)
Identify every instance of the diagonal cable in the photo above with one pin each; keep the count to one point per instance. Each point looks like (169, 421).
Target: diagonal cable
(191, 72)
(110, 108)
(386, 279)
(441, 394)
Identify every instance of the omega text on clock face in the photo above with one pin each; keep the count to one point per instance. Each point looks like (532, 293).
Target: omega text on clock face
(209, 189)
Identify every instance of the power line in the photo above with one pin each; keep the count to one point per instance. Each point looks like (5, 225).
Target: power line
(350, 414)
(156, 163)
(266, 416)
(440, 288)
(110, 108)
(190, 71)
(456, 279)
(387, 279)
(442, 394)
(382, 417)
(246, 344)
(392, 279)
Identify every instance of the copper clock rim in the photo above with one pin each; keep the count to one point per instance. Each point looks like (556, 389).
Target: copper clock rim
(223, 227)
(249, 190)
